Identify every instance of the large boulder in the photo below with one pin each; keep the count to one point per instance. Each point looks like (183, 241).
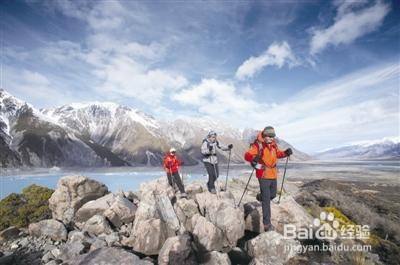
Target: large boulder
(271, 248)
(122, 211)
(185, 209)
(107, 255)
(148, 236)
(177, 250)
(9, 233)
(73, 249)
(71, 193)
(97, 225)
(215, 258)
(207, 236)
(167, 213)
(91, 208)
(49, 228)
(221, 212)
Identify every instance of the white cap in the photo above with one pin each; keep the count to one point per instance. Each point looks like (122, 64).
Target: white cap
(172, 150)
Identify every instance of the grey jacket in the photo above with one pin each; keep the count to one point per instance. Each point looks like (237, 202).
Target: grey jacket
(211, 157)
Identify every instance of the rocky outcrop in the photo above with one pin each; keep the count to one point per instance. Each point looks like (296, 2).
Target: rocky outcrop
(106, 228)
(71, 193)
(49, 228)
(271, 248)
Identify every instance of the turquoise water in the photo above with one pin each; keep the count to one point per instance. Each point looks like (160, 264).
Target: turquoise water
(130, 178)
(124, 178)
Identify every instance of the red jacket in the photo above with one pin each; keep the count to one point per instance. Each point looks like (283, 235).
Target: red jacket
(171, 163)
(269, 155)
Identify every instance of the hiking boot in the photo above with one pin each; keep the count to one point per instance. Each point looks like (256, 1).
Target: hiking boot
(213, 191)
(269, 227)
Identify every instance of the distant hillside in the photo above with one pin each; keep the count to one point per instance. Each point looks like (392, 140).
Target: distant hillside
(387, 148)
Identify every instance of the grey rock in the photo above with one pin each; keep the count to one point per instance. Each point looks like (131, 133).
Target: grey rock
(121, 211)
(271, 248)
(97, 225)
(216, 258)
(207, 236)
(107, 256)
(49, 228)
(91, 208)
(9, 233)
(148, 236)
(70, 250)
(177, 250)
(185, 209)
(72, 192)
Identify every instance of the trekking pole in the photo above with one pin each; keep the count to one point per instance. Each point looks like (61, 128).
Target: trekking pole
(246, 187)
(227, 170)
(283, 179)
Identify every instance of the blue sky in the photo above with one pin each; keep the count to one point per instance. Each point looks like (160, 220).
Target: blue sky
(323, 73)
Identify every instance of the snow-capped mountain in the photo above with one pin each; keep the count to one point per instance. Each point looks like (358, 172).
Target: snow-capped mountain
(386, 148)
(29, 138)
(105, 134)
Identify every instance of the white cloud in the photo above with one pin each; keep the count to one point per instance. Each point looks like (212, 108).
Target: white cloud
(277, 54)
(221, 99)
(349, 24)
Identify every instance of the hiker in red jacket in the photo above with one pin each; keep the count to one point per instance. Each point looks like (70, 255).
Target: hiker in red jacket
(171, 165)
(263, 156)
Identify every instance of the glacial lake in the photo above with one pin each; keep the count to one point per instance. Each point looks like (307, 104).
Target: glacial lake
(130, 178)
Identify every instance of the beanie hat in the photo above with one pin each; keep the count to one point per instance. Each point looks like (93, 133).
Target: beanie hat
(172, 150)
(269, 131)
(211, 133)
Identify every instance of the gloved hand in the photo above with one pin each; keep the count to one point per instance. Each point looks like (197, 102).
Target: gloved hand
(230, 146)
(255, 160)
(288, 151)
(210, 148)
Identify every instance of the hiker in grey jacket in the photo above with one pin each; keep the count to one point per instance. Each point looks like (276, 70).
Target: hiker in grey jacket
(210, 159)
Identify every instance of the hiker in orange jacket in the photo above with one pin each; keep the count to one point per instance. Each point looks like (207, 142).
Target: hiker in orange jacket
(171, 165)
(263, 156)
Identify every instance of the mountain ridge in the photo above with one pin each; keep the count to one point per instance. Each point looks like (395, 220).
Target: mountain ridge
(106, 134)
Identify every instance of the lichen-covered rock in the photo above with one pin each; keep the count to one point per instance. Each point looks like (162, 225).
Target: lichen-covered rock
(272, 248)
(177, 250)
(97, 225)
(207, 236)
(49, 228)
(185, 209)
(71, 193)
(121, 211)
(148, 236)
(91, 208)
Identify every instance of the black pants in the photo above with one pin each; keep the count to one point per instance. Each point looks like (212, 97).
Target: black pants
(213, 174)
(268, 189)
(175, 178)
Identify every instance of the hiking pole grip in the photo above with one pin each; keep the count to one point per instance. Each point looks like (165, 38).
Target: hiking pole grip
(246, 187)
(283, 179)
(227, 170)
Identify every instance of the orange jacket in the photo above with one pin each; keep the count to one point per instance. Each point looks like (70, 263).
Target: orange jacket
(171, 163)
(269, 155)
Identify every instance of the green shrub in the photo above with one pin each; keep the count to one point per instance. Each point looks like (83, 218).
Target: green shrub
(32, 205)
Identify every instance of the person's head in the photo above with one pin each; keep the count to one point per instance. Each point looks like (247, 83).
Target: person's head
(212, 136)
(172, 151)
(268, 134)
